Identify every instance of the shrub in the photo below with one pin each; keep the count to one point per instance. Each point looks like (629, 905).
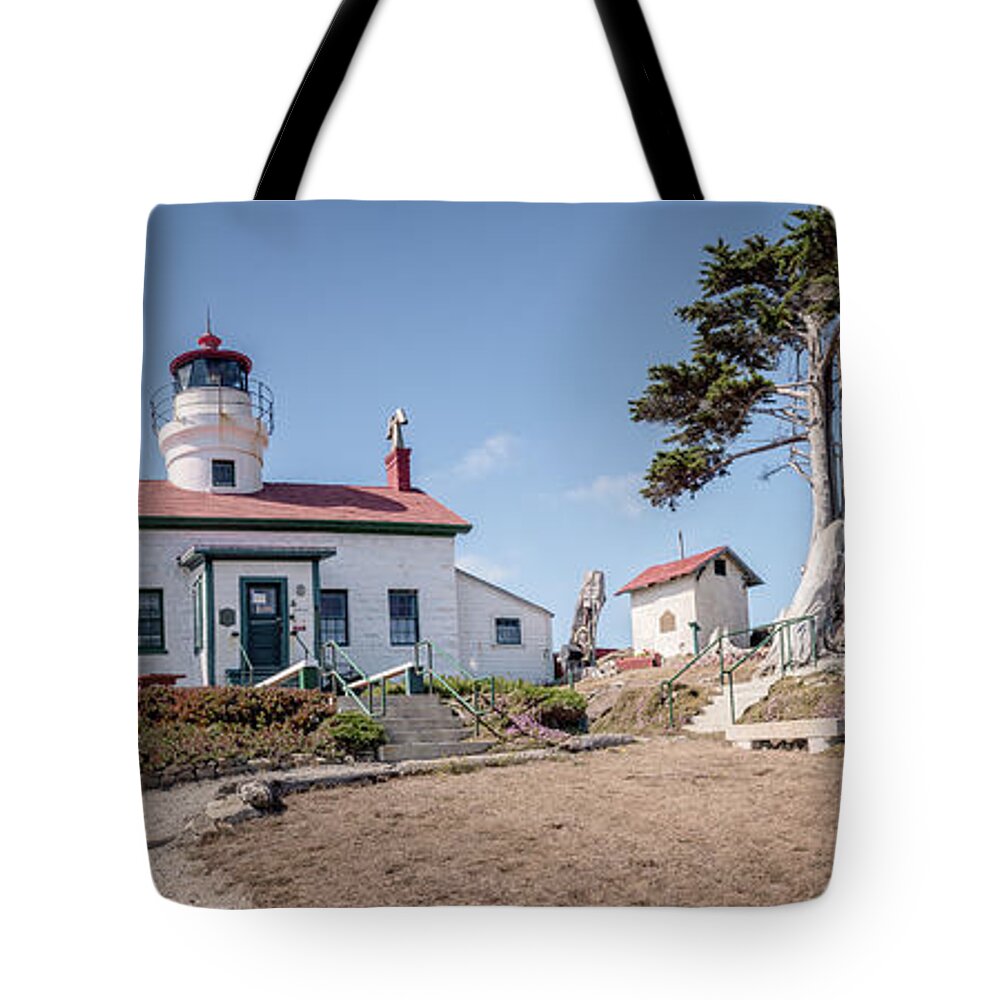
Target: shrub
(353, 732)
(548, 707)
(257, 708)
(191, 726)
(561, 708)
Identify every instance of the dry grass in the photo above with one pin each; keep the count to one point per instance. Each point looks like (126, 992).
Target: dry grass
(667, 822)
(815, 696)
(630, 702)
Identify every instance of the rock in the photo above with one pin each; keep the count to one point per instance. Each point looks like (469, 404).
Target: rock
(264, 796)
(597, 741)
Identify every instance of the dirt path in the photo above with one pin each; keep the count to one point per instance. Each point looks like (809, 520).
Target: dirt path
(667, 822)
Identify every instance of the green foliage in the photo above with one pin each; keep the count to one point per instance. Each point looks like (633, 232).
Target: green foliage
(561, 708)
(760, 307)
(552, 707)
(255, 708)
(354, 732)
(192, 726)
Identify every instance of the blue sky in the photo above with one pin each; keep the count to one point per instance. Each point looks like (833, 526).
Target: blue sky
(514, 336)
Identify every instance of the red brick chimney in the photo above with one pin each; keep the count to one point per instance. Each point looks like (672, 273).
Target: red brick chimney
(397, 469)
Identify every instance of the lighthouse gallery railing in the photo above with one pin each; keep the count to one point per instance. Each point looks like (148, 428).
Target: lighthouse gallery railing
(260, 401)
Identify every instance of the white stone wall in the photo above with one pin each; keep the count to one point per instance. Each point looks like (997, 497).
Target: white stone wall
(479, 605)
(158, 551)
(714, 602)
(722, 601)
(366, 565)
(213, 423)
(648, 606)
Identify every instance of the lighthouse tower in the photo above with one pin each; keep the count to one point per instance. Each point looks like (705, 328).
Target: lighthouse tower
(213, 421)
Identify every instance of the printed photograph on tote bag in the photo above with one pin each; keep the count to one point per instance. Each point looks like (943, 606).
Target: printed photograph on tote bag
(491, 554)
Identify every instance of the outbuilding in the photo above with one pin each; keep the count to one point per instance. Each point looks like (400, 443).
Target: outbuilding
(701, 594)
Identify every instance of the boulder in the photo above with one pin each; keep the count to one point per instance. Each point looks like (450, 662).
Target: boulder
(264, 796)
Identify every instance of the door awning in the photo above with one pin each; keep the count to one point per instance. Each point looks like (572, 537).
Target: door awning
(198, 554)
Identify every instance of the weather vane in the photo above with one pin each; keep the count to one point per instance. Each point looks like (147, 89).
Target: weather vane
(394, 432)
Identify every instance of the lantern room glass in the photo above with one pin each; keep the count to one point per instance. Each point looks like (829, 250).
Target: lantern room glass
(210, 372)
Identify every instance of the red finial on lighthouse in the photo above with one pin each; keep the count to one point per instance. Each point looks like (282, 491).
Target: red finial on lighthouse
(208, 349)
(208, 339)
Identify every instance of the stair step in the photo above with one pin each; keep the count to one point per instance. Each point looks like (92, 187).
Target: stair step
(426, 735)
(418, 706)
(394, 752)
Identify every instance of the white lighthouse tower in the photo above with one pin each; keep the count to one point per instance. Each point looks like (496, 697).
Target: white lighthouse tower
(213, 421)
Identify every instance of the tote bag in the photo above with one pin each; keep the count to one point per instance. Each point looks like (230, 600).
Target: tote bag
(491, 553)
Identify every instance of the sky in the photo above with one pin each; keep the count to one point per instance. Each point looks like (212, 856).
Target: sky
(514, 336)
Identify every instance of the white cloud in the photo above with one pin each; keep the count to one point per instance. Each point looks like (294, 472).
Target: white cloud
(484, 567)
(494, 453)
(620, 493)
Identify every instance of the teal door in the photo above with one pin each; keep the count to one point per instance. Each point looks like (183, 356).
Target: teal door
(264, 625)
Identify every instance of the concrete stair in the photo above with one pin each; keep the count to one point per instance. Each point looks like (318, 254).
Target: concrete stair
(422, 727)
(714, 717)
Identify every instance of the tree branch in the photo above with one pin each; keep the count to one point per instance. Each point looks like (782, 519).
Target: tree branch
(790, 393)
(770, 446)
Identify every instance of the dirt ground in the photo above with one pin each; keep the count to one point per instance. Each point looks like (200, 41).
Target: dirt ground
(688, 821)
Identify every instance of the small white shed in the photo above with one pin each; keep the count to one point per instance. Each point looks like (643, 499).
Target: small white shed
(709, 589)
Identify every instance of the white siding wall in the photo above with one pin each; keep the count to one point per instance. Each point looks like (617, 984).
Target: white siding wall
(479, 605)
(158, 551)
(648, 606)
(367, 566)
(721, 601)
(712, 601)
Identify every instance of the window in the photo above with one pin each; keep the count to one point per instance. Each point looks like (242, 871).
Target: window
(210, 372)
(404, 627)
(223, 472)
(668, 622)
(151, 621)
(333, 617)
(720, 567)
(508, 631)
(198, 600)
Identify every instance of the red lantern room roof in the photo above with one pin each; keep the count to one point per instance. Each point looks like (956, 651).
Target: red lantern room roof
(209, 348)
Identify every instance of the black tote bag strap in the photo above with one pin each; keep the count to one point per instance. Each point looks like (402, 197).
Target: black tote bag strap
(638, 67)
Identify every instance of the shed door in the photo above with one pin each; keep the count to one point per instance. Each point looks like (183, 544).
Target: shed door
(263, 611)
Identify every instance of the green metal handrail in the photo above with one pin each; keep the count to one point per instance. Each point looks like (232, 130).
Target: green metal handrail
(669, 683)
(776, 628)
(478, 713)
(249, 664)
(454, 661)
(339, 653)
(781, 630)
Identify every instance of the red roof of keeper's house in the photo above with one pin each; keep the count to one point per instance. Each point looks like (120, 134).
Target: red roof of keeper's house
(308, 506)
(665, 572)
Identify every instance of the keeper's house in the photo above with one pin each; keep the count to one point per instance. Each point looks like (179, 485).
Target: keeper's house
(235, 572)
(708, 589)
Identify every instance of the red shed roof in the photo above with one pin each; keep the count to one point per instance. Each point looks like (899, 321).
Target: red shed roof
(302, 506)
(665, 572)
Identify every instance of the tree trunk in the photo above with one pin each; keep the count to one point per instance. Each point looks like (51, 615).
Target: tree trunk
(820, 450)
(820, 593)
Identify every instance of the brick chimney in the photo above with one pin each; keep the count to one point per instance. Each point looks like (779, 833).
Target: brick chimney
(397, 469)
